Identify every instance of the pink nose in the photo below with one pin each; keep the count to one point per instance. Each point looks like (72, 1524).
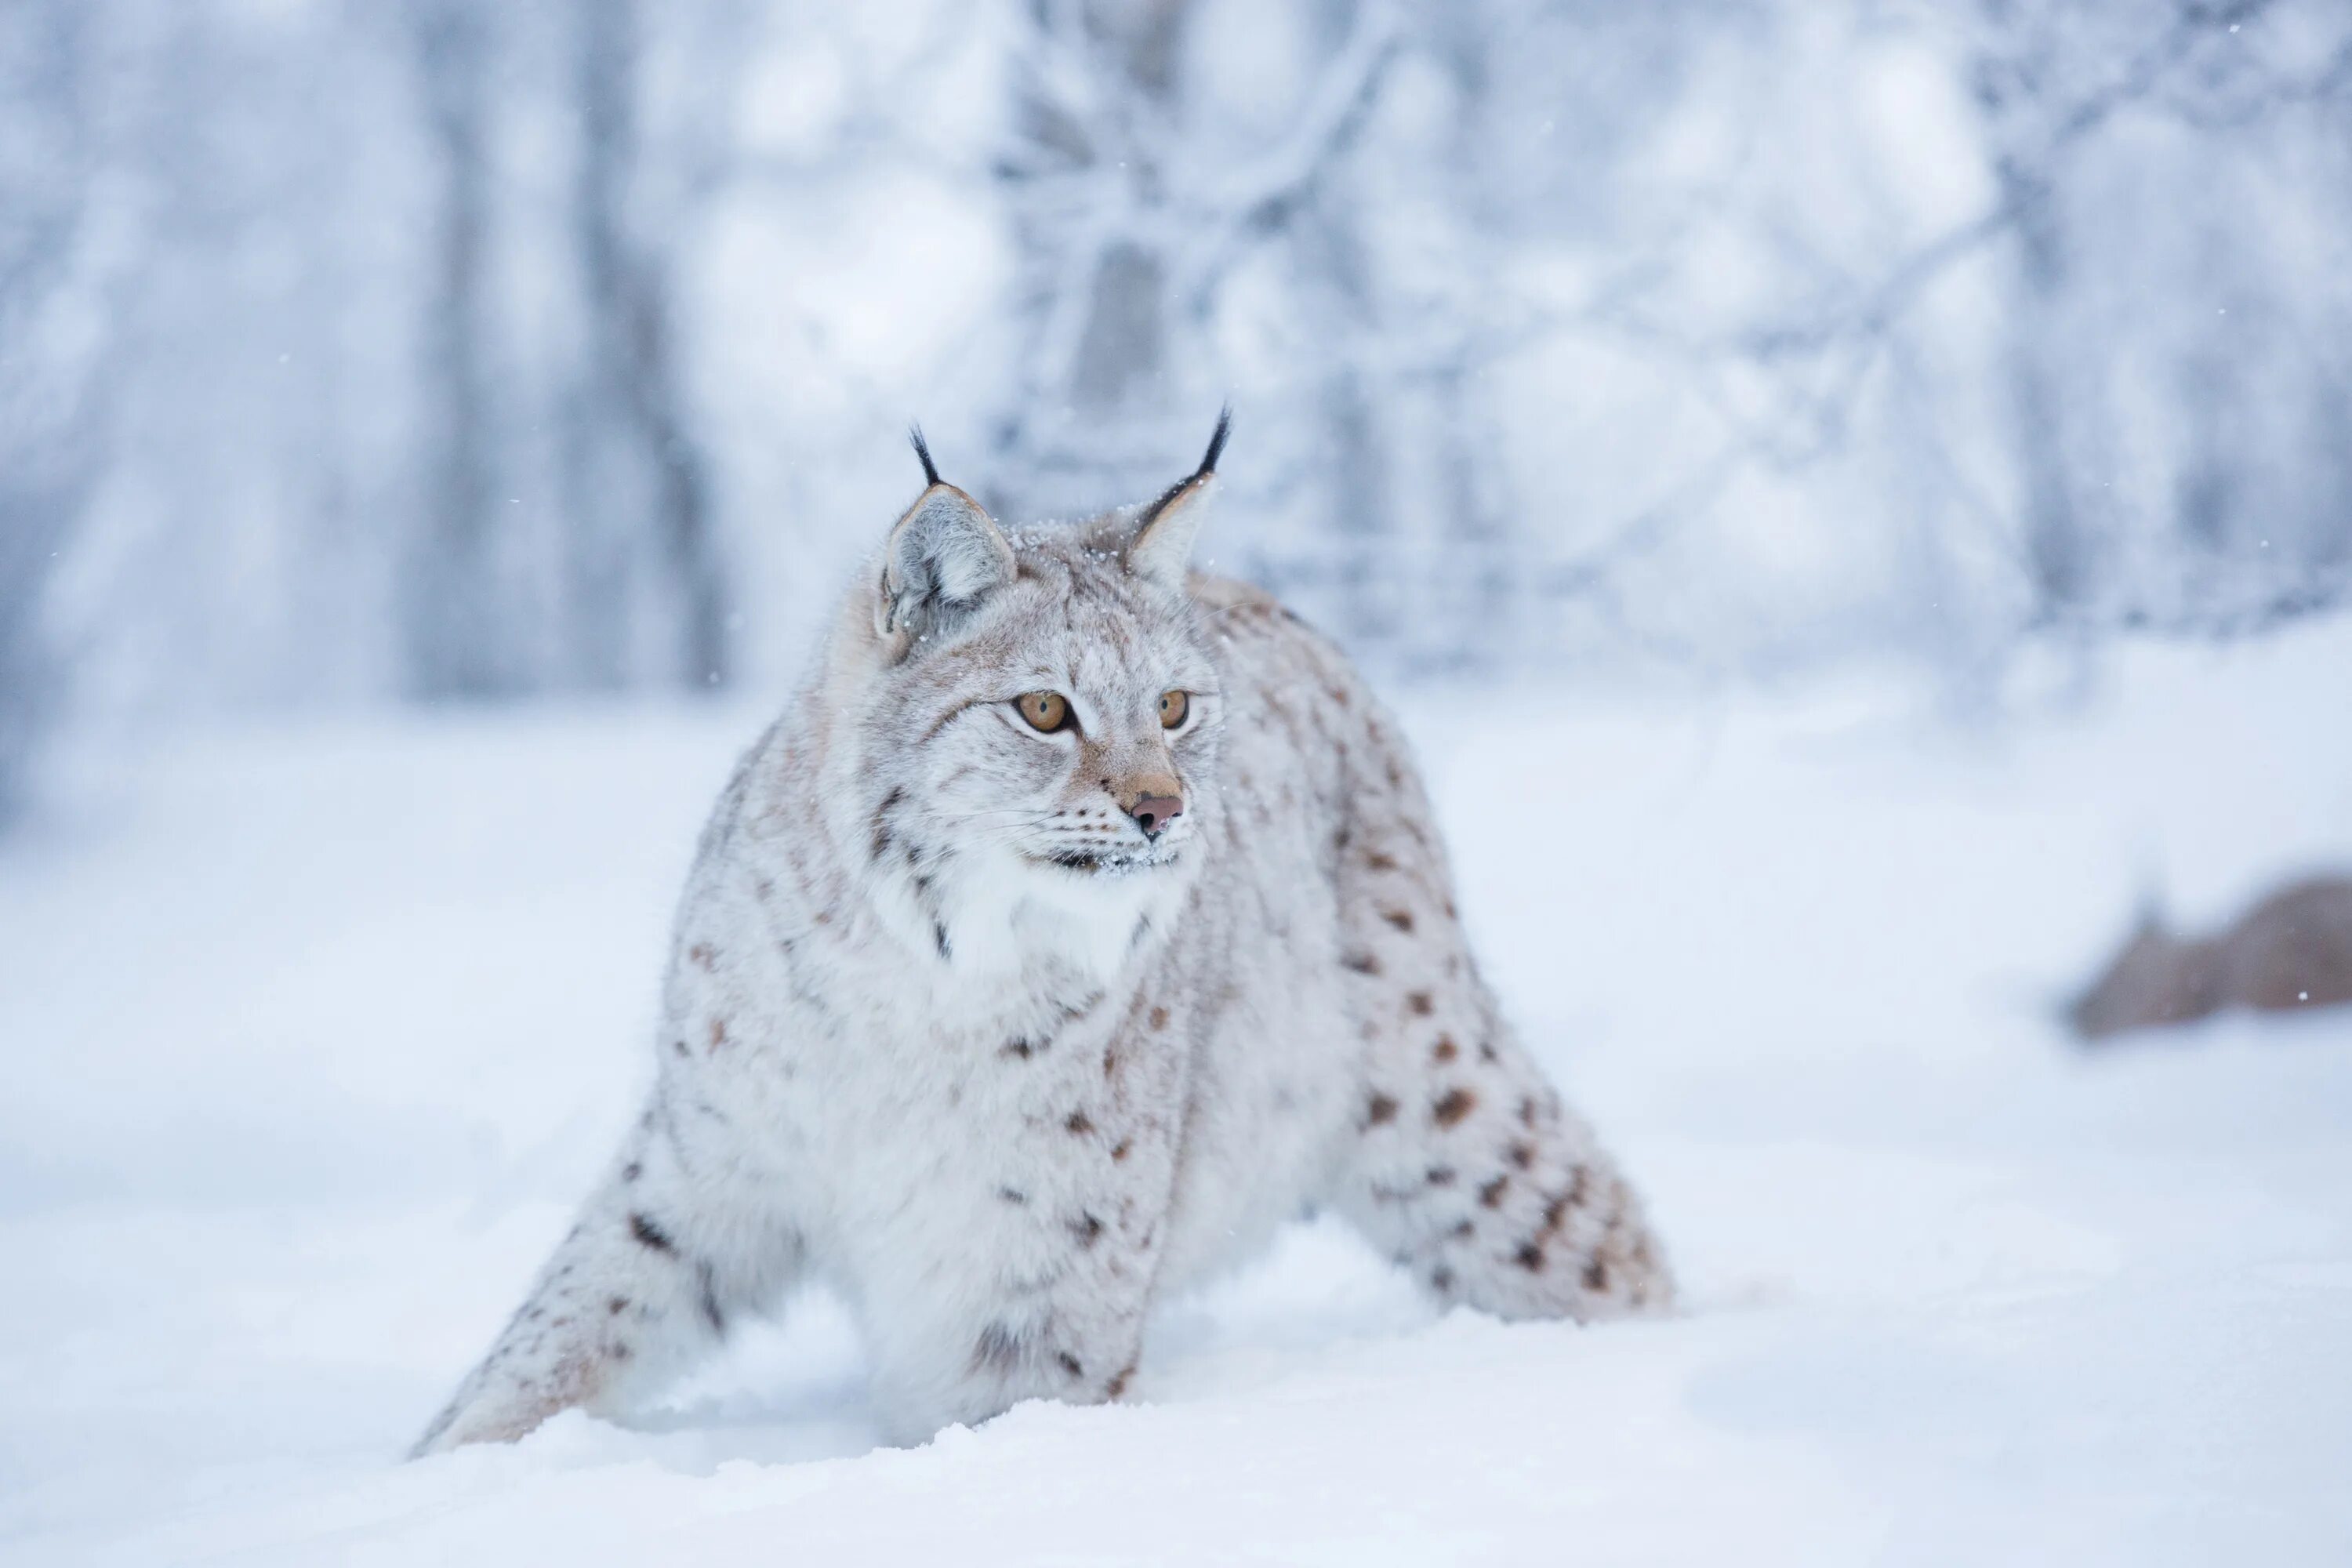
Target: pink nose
(1153, 813)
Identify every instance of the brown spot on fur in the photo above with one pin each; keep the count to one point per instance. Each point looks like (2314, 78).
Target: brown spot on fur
(1122, 1150)
(1380, 1110)
(718, 1033)
(1441, 1280)
(1527, 1112)
(1070, 1363)
(1361, 962)
(704, 956)
(1013, 1194)
(617, 1306)
(651, 1236)
(1160, 1017)
(1441, 1175)
(1420, 1005)
(1463, 1230)
(679, 1046)
(1116, 1387)
(1087, 1229)
(631, 1170)
(1452, 1106)
(1401, 918)
(1490, 1193)
(1017, 1049)
(1523, 1155)
(1446, 1050)
(1596, 1275)
(1487, 1052)
(1554, 1212)
(1079, 1124)
(1380, 862)
(1529, 1257)
(881, 841)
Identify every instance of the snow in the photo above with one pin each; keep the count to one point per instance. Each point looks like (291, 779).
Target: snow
(314, 1034)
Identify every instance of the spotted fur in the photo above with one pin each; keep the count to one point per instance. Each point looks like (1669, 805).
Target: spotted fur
(945, 1028)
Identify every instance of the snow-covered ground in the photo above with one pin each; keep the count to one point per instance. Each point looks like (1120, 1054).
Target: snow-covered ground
(312, 1037)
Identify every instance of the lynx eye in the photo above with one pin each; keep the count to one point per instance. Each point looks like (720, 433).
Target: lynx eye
(1173, 706)
(1046, 711)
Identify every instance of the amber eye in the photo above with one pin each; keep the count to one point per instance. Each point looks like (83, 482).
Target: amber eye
(1045, 711)
(1173, 706)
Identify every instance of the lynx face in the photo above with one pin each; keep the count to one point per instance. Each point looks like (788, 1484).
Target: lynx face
(1039, 723)
(1038, 726)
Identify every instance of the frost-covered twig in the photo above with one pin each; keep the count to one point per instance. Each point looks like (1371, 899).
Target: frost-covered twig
(1264, 199)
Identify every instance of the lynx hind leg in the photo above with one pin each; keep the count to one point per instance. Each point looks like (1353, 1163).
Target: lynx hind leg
(1492, 1195)
(1466, 1167)
(642, 1285)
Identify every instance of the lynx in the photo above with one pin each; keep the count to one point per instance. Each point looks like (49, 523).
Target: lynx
(2292, 949)
(1082, 921)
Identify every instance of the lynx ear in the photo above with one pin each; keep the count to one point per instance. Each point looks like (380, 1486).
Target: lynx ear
(1162, 546)
(944, 557)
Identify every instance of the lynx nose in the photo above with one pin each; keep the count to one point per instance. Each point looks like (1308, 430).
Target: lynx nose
(1153, 813)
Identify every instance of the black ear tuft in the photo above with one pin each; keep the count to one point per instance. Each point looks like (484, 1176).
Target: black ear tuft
(1216, 442)
(931, 472)
(1208, 466)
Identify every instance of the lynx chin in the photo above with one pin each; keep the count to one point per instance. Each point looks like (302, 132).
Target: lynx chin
(1082, 921)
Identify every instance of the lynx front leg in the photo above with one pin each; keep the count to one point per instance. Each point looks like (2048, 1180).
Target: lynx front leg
(642, 1285)
(934, 1369)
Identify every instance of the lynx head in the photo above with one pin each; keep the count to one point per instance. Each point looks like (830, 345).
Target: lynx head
(1037, 713)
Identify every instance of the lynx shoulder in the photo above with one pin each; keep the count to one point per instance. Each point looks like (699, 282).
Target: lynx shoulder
(1082, 921)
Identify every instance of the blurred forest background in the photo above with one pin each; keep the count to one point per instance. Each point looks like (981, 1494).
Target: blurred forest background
(356, 353)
